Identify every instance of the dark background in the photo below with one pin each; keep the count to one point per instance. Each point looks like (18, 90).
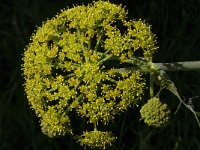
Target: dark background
(177, 26)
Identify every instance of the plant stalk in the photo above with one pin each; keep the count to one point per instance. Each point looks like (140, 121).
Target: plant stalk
(174, 66)
(179, 66)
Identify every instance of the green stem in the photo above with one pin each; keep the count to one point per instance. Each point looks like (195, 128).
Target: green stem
(99, 34)
(97, 44)
(151, 86)
(179, 66)
(105, 59)
(174, 66)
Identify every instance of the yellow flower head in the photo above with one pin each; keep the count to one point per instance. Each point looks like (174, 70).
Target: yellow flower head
(155, 113)
(71, 60)
(97, 139)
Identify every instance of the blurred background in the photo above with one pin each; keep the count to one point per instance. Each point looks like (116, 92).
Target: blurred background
(177, 26)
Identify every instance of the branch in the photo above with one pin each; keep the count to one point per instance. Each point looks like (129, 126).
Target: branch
(179, 66)
(174, 66)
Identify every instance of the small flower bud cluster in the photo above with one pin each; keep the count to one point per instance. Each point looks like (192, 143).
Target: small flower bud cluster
(97, 139)
(66, 67)
(155, 113)
(53, 124)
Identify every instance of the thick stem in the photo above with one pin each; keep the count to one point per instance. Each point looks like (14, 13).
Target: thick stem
(179, 66)
(174, 66)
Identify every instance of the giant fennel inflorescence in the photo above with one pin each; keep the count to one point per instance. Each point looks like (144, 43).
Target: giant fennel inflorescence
(72, 65)
(155, 113)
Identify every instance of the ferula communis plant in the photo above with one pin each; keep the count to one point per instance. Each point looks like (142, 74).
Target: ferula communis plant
(74, 63)
(68, 66)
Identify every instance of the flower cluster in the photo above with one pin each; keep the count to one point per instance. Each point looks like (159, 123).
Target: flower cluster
(70, 65)
(155, 113)
(97, 139)
(53, 124)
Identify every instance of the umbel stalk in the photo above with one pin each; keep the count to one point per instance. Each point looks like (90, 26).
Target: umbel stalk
(179, 66)
(147, 67)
